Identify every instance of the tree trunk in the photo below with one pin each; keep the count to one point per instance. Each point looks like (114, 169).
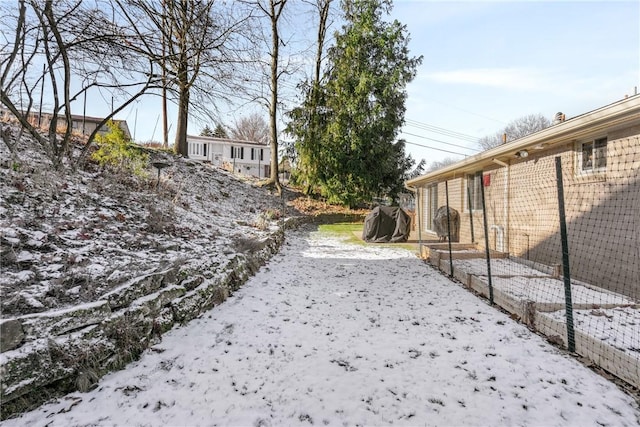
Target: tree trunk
(273, 108)
(181, 146)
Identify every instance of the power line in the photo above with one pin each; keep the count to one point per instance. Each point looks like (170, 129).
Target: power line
(442, 142)
(434, 148)
(440, 130)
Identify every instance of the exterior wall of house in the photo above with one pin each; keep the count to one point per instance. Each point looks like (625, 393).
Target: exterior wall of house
(495, 191)
(603, 216)
(533, 215)
(90, 123)
(240, 160)
(602, 210)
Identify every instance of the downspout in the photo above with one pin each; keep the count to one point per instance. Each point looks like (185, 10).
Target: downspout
(507, 180)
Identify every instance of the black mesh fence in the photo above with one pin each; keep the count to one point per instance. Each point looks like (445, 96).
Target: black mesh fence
(554, 238)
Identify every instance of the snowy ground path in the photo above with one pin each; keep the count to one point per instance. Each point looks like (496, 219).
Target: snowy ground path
(336, 334)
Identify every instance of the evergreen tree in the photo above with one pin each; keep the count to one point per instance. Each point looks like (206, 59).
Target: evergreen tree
(359, 111)
(220, 132)
(206, 131)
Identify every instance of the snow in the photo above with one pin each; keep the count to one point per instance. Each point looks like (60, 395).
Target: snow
(550, 290)
(605, 315)
(98, 229)
(332, 333)
(499, 267)
(619, 326)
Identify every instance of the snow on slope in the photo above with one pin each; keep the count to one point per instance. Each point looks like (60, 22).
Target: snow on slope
(68, 238)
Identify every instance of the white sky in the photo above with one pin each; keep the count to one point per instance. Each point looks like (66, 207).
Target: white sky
(487, 63)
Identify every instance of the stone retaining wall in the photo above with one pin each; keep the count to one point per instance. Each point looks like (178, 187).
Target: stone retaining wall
(53, 353)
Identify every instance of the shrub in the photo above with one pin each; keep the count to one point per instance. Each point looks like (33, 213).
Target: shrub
(115, 150)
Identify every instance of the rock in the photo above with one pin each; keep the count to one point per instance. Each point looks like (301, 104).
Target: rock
(138, 287)
(11, 335)
(56, 323)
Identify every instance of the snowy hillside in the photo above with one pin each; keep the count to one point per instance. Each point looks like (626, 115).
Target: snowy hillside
(97, 264)
(68, 238)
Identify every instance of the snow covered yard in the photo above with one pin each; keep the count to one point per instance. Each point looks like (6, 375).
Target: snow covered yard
(332, 333)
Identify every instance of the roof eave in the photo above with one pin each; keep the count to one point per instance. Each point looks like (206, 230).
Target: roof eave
(602, 118)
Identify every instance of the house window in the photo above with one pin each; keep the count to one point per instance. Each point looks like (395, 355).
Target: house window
(261, 154)
(474, 191)
(237, 152)
(253, 154)
(592, 156)
(431, 202)
(204, 150)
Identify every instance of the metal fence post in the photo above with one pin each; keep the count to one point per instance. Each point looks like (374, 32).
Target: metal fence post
(571, 342)
(486, 240)
(446, 192)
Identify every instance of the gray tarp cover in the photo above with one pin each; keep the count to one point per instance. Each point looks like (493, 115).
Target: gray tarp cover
(386, 224)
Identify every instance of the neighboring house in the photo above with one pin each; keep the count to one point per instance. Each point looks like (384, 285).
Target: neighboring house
(246, 157)
(600, 157)
(84, 125)
(80, 124)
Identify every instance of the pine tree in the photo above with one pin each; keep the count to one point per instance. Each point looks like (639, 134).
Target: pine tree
(360, 110)
(206, 131)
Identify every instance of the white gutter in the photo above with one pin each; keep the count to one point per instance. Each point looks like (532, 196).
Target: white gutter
(621, 112)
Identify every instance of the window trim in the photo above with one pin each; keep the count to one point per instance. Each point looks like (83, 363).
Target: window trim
(476, 192)
(431, 197)
(580, 150)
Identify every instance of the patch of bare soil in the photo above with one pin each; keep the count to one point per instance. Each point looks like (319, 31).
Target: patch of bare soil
(317, 208)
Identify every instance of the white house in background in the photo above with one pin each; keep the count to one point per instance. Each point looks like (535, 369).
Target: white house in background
(246, 157)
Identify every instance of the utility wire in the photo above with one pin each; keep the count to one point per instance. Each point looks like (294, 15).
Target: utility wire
(440, 130)
(434, 148)
(442, 142)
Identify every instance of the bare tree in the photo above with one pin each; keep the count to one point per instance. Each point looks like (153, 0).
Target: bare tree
(272, 59)
(251, 128)
(516, 129)
(439, 164)
(322, 7)
(273, 10)
(196, 44)
(71, 41)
